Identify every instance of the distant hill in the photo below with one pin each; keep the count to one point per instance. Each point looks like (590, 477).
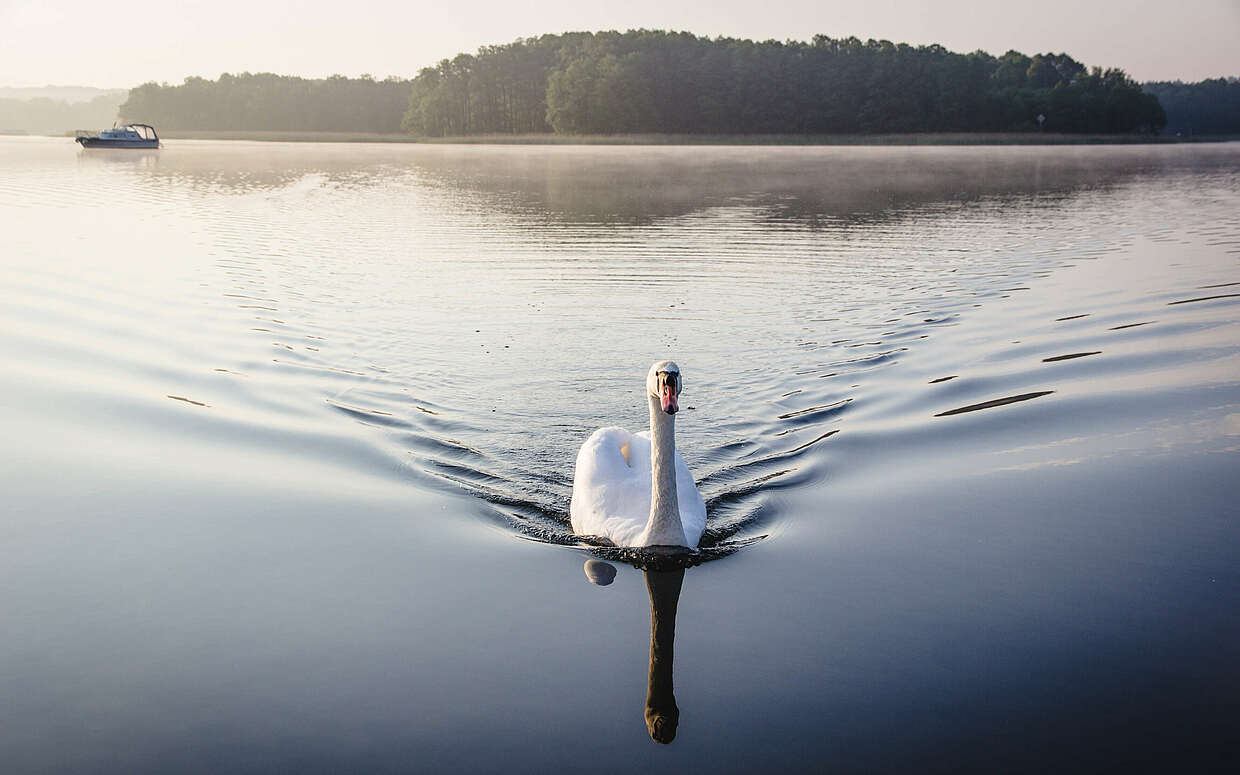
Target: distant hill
(70, 94)
(55, 110)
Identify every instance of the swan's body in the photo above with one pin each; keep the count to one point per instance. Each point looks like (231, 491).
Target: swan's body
(634, 488)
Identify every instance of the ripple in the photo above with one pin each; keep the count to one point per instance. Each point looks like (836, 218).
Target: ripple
(188, 401)
(1204, 298)
(484, 318)
(995, 402)
(1070, 356)
(817, 413)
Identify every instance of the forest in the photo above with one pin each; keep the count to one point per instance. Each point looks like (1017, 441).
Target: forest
(650, 81)
(1209, 107)
(265, 101)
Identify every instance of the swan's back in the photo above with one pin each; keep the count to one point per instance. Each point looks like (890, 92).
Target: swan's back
(611, 495)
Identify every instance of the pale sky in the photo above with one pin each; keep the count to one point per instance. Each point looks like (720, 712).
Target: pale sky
(122, 44)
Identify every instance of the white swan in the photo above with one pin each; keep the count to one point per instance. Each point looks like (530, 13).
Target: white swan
(635, 489)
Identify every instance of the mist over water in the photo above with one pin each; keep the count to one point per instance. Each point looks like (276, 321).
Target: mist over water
(965, 420)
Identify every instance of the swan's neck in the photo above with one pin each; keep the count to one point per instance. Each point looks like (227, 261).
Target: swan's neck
(664, 527)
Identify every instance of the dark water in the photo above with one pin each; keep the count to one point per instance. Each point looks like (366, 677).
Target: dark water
(289, 433)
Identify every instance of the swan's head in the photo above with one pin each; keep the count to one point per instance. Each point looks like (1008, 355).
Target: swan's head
(663, 382)
(661, 724)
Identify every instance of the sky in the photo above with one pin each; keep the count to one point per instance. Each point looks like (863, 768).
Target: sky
(98, 44)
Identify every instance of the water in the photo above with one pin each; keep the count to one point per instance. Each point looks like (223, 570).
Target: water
(289, 433)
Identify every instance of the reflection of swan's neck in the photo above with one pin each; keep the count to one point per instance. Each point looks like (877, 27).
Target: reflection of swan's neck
(662, 715)
(664, 527)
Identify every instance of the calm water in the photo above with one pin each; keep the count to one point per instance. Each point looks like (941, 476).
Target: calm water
(289, 435)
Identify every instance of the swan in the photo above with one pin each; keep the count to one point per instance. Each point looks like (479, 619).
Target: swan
(634, 489)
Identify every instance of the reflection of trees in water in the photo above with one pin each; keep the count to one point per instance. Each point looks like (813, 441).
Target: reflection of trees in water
(606, 184)
(617, 184)
(662, 714)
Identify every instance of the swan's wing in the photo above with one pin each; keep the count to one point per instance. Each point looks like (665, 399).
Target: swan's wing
(692, 507)
(611, 495)
(602, 456)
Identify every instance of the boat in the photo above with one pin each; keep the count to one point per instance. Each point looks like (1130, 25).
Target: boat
(126, 136)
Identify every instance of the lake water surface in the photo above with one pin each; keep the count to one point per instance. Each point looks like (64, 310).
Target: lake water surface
(289, 432)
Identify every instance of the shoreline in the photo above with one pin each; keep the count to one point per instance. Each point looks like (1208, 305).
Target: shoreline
(960, 138)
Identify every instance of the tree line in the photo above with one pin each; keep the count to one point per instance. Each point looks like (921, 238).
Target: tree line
(1209, 107)
(266, 101)
(651, 81)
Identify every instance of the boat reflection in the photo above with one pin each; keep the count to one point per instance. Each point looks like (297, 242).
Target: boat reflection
(138, 158)
(662, 713)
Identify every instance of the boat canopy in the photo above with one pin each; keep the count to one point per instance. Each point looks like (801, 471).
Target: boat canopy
(130, 131)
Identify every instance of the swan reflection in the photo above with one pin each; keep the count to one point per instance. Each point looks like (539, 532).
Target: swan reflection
(662, 713)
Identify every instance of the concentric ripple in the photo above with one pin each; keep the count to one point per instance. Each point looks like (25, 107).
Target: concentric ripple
(462, 318)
